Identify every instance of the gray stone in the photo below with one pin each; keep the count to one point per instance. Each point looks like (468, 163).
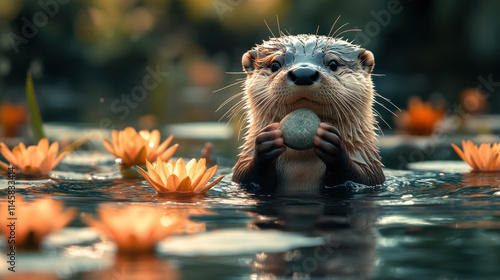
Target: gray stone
(299, 128)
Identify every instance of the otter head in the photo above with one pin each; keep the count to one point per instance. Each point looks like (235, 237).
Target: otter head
(326, 75)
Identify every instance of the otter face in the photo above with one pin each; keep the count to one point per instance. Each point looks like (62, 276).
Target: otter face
(329, 76)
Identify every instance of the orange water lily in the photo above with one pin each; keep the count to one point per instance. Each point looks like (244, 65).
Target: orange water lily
(34, 219)
(177, 176)
(134, 148)
(39, 159)
(135, 228)
(486, 157)
(421, 117)
(11, 117)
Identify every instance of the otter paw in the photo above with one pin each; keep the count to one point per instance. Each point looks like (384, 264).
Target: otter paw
(269, 144)
(329, 147)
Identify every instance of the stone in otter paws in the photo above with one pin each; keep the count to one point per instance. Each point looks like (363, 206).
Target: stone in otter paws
(299, 128)
(328, 76)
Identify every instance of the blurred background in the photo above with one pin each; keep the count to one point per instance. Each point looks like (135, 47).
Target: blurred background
(150, 63)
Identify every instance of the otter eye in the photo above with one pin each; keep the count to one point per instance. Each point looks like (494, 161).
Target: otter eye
(333, 65)
(275, 66)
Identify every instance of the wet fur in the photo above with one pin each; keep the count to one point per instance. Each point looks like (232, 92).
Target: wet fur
(343, 98)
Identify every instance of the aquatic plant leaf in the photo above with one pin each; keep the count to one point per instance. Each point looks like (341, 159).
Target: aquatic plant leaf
(36, 118)
(79, 142)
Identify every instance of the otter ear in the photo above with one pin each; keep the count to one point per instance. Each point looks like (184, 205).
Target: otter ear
(366, 60)
(248, 60)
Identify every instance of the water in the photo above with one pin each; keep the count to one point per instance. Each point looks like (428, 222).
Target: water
(424, 224)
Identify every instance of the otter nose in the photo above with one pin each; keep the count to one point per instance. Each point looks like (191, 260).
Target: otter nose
(303, 76)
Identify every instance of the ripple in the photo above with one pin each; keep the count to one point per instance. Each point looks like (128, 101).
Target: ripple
(69, 175)
(24, 184)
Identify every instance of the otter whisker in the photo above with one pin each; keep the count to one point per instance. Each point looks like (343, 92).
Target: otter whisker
(333, 36)
(242, 120)
(383, 106)
(269, 29)
(264, 105)
(328, 110)
(269, 108)
(272, 105)
(278, 22)
(340, 107)
(260, 96)
(376, 94)
(349, 30)
(231, 114)
(240, 81)
(230, 99)
(273, 118)
(352, 96)
(333, 25)
(234, 110)
(241, 106)
(380, 116)
(356, 98)
(377, 127)
(351, 101)
(237, 73)
(338, 29)
(343, 102)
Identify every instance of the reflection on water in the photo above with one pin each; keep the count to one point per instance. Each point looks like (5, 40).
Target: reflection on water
(348, 228)
(423, 224)
(135, 267)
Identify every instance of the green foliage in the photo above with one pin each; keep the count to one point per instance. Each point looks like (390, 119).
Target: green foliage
(36, 118)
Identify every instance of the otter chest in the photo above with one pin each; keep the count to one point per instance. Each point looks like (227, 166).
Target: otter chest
(299, 172)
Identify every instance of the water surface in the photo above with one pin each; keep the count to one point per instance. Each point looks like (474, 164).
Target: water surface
(423, 224)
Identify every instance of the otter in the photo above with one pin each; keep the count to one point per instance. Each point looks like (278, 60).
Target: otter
(329, 76)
